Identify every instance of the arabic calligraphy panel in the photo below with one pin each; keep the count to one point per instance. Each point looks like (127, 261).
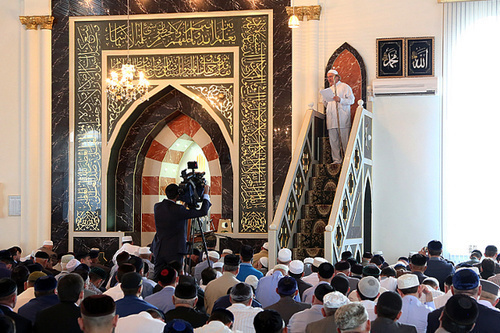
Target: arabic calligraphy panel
(390, 57)
(88, 79)
(420, 56)
(254, 123)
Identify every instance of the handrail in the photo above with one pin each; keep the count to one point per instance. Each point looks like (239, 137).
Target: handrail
(347, 193)
(283, 227)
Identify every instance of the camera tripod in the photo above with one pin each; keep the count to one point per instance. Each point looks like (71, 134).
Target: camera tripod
(189, 263)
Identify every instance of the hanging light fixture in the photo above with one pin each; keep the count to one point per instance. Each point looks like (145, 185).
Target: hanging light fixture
(124, 89)
(293, 21)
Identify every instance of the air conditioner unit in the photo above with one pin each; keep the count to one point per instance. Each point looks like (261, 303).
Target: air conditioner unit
(405, 86)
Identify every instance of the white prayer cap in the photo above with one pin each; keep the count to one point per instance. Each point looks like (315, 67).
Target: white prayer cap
(282, 267)
(126, 239)
(335, 300)
(252, 280)
(377, 252)
(72, 264)
(144, 250)
(218, 264)
(407, 281)
(225, 251)
(66, 258)
(48, 243)
(264, 261)
(473, 268)
(318, 261)
(369, 286)
(214, 255)
(308, 260)
(284, 255)
(296, 267)
(333, 71)
(266, 245)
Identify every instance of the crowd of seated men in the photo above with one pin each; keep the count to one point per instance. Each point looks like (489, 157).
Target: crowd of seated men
(236, 291)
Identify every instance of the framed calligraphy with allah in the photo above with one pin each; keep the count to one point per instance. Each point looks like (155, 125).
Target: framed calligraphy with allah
(390, 57)
(420, 56)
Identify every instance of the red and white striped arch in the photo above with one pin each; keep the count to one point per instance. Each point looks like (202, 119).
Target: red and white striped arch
(162, 151)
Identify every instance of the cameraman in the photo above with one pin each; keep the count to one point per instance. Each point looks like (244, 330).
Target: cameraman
(169, 243)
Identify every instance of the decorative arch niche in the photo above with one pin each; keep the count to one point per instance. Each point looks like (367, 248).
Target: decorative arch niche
(352, 70)
(214, 67)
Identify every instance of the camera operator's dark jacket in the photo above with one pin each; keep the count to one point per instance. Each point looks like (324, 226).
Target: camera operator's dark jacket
(169, 243)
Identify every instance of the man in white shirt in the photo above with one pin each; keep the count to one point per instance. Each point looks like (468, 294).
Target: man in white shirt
(313, 278)
(116, 292)
(145, 321)
(368, 291)
(413, 311)
(220, 321)
(338, 115)
(241, 299)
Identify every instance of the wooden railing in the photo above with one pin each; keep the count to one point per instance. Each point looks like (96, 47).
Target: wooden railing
(348, 226)
(292, 197)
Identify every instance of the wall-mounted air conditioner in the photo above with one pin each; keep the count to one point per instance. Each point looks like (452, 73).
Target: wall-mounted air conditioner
(405, 86)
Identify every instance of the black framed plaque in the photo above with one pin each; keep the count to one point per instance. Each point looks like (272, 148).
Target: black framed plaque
(390, 57)
(420, 56)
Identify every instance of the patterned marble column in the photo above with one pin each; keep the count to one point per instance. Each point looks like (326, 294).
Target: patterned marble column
(36, 127)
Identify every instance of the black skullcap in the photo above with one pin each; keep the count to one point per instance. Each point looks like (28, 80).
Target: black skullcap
(187, 279)
(5, 254)
(99, 272)
(42, 255)
(268, 321)
(461, 309)
(435, 245)
(36, 267)
(167, 274)
(357, 269)
(367, 255)
(185, 290)
(340, 283)
(231, 260)
(137, 262)
(325, 270)
(287, 286)
(371, 270)
(196, 252)
(321, 290)
(97, 306)
(418, 259)
(178, 325)
(342, 266)
(93, 254)
(224, 311)
(377, 260)
(131, 280)
(246, 252)
(465, 279)
(346, 255)
(83, 267)
(45, 283)
(7, 287)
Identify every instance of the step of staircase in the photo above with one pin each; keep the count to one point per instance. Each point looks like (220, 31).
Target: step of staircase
(320, 211)
(319, 197)
(302, 253)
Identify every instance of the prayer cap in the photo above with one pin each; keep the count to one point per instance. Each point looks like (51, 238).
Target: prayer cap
(35, 276)
(465, 279)
(407, 281)
(45, 283)
(335, 300)
(7, 287)
(97, 306)
(185, 290)
(48, 243)
(284, 255)
(231, 260)
(287, 286)
(131, 280)
(296, 267)
(369, 286)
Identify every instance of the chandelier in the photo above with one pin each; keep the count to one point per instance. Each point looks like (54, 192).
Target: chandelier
(124, 89)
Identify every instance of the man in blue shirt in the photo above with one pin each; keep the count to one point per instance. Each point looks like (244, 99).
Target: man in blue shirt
(246, 268)
(436, 266)
(163, 298)
(131, 284)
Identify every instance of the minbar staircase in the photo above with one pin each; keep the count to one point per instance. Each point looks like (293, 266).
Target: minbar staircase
(325, 209)
(309, 240)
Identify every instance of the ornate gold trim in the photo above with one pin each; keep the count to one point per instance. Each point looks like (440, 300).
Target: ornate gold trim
(32, 22)
(311, 12)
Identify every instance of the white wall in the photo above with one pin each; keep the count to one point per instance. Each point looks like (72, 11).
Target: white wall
(10, 120)
(407, 130)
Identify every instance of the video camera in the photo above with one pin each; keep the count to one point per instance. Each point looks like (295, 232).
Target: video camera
(192, 186)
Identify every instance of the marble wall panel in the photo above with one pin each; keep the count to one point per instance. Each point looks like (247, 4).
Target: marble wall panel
(63, 9)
